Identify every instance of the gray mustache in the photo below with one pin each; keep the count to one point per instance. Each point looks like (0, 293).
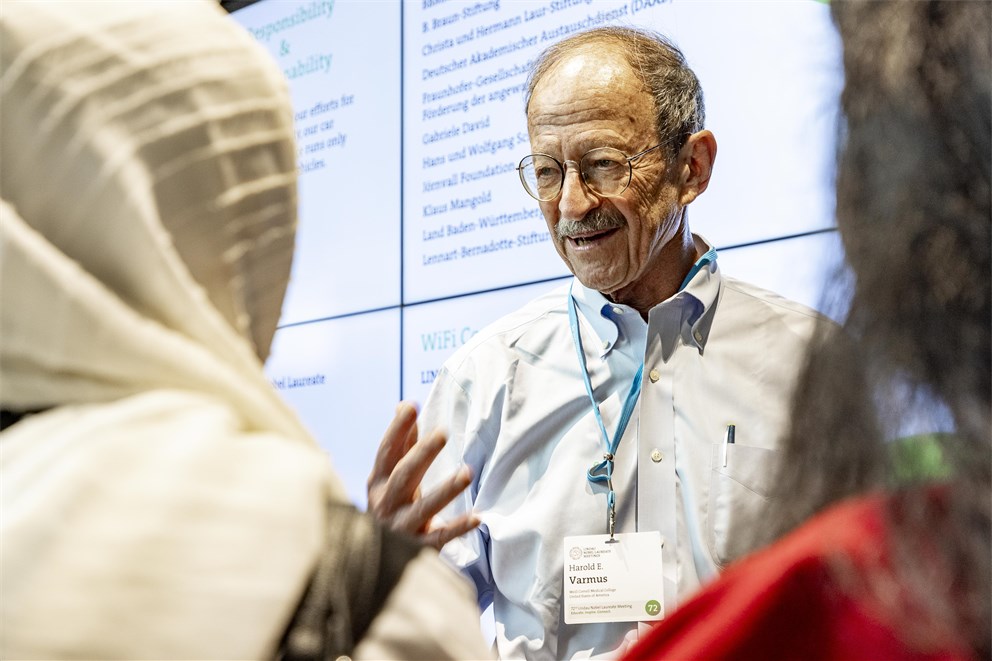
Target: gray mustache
(597, 220)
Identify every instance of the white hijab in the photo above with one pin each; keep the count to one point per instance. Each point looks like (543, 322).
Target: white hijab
(166, 503)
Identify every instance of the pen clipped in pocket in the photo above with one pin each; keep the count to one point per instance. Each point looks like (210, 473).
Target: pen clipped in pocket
(740, 485)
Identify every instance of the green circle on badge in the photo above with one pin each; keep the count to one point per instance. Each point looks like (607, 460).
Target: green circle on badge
(652, 607)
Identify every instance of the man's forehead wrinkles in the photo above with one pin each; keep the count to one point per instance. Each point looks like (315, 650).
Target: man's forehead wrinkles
(591, 108)
(575, 116)
(595, 126)
(556, 97)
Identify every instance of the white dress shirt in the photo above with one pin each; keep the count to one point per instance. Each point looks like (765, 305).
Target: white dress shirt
(514, 404)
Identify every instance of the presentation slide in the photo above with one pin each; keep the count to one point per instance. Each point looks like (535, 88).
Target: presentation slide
(414, 229)
(469, 225)
(342, 60)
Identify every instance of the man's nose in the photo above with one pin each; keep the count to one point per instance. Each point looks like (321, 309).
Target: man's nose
(576, 199)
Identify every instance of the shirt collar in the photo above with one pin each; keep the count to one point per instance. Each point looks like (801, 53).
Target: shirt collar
(697, 301)
(597, 311)
(701, 293)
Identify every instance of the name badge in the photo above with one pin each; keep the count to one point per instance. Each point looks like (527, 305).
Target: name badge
(613, 581)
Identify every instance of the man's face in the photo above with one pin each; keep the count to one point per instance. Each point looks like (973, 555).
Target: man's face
(592, 100)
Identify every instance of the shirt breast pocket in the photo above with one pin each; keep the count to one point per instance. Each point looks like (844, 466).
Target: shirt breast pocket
(738, 495)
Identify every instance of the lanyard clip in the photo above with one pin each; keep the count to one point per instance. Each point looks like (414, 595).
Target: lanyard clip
(603, 471)
(612, 501)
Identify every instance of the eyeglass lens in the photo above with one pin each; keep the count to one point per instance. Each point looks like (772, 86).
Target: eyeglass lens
(605, 171)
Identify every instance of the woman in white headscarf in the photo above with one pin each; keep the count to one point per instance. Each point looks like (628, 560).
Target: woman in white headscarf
(158, 499)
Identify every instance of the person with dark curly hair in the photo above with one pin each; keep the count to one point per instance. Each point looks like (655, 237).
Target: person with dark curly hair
(895, 561)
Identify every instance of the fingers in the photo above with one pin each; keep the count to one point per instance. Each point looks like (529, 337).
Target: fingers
(399, 436)
(416, 518)
(402, 484)
(394, 482)
(447, 491)
(440, 535)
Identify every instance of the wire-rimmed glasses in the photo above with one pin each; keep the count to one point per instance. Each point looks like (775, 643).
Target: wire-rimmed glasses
(606, 171)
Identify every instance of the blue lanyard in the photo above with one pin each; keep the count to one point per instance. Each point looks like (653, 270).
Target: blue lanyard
(708, 257)
(603, 471)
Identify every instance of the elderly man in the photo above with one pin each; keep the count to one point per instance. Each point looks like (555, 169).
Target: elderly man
(614, 432)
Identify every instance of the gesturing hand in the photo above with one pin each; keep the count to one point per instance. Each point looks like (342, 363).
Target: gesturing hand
(393, 486)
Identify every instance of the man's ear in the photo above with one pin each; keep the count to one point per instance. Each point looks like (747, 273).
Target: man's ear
(697, 159)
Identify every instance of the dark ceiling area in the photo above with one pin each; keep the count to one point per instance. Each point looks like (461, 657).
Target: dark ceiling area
(233, 5)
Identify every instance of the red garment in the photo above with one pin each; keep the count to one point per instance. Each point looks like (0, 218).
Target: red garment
(783, 602)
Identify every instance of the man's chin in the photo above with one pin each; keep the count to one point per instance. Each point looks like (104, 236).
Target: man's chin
(598, 281)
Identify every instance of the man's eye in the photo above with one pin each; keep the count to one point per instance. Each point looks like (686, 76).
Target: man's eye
(604, 164)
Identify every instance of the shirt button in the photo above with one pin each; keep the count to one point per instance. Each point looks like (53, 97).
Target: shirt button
(698, 336)
(654, 375)
(617, 310)
(606, 344)
(656, 455)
